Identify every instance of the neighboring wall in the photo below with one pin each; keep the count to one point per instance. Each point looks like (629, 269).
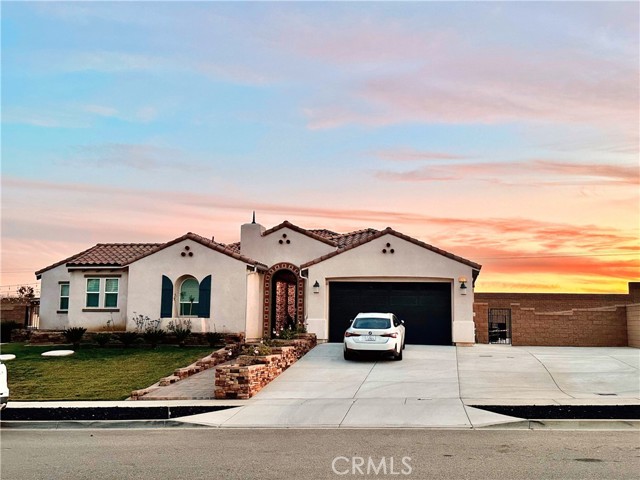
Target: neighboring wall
(602, 327)
(14, 310)
(560, 318)
(557, 302)
(633, 325)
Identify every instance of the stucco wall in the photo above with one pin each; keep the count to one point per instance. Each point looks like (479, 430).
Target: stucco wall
(409, 262)
(269, 251)
(96, 319)
(255, 291)
(50, 298)
(633, 325)
(228, 285)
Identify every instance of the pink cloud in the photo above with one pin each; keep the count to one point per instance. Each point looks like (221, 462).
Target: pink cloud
(530, 172)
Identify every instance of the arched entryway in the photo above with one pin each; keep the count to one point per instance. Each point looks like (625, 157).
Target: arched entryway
(283, 298)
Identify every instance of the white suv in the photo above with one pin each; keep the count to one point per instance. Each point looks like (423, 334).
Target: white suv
(374, 332)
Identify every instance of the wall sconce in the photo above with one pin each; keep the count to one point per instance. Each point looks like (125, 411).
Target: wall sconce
(316, 287)
(463, 285)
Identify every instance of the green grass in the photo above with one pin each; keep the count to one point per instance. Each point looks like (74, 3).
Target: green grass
(92, 373)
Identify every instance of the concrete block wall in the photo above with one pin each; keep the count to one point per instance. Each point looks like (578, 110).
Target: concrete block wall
(598, 327)
(633, 325)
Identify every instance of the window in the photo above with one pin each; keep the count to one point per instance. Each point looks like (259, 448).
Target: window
(189, 297)
(108, 287)
(64, 296)
(93, 292)
(111, 292)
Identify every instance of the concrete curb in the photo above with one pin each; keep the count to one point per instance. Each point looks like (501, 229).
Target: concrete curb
(589, 425)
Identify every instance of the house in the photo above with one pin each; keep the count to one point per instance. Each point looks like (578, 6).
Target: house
(271, 279)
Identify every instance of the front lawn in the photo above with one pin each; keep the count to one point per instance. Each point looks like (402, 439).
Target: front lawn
(92, 373)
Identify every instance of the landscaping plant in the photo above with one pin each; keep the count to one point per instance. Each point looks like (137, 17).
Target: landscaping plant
(128, 338)
(181, 328)
(215, 339)
(74, 335)
(102, 338)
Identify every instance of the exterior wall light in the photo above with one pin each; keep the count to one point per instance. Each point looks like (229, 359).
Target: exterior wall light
(316, 287)
(463, 285)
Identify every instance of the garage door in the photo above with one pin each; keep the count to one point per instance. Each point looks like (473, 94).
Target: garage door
(424, 307)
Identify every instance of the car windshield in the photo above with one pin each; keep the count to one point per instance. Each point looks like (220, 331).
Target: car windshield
(373, 323)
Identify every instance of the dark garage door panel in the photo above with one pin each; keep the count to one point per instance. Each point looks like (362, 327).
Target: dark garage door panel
(425, 307)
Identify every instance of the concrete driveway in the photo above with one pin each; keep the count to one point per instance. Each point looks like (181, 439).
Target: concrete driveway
(434, 386)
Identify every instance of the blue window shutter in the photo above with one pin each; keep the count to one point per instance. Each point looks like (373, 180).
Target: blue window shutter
(204, 307)
(166, 304)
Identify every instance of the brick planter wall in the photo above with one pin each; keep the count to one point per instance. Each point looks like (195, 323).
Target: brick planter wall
(250, 374)
(480, 319)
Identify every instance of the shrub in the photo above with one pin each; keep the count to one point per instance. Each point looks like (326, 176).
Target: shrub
(154, 335)
(258, 350)
(287, 334)
(128, 338)
(102, 338)
(214, 338)
(6, 328)
(181, 329)
(74, 335)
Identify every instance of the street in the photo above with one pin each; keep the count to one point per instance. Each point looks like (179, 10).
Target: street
(176, 453)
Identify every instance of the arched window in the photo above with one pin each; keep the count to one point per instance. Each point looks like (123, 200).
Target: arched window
(189, 297)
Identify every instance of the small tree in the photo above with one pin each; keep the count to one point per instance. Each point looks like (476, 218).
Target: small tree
(26, 292)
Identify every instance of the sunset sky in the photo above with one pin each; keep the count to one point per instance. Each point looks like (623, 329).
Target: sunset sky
(507, 133)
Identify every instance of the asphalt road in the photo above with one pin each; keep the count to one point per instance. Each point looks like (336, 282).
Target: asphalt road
(317, 454)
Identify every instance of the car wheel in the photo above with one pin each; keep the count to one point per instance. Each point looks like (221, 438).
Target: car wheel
(347, 354)
(397, 355)
(403, 344)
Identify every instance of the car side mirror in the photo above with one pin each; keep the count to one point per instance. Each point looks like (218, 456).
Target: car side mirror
(350, 321)
(402, 322)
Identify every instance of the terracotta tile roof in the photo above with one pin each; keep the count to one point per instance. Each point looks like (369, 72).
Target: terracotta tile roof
(122, 254)
(218, 247)
(369, 236)
(357, 237)
(234, 247)
(323, 232)
(295, 228)
(112, 254)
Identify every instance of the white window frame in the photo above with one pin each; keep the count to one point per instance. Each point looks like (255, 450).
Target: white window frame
(101, 293)
(60, 296)
(87, 292)
(180, 302)
(116, 293)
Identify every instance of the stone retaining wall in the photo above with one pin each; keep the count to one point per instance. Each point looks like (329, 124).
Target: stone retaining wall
(250, 374)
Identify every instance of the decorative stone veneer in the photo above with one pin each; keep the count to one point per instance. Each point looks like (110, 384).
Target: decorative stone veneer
(249, 374)
(219, 356)
(268, 286)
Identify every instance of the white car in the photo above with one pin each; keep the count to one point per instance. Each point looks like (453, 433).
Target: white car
(374, 332)
(4, 387)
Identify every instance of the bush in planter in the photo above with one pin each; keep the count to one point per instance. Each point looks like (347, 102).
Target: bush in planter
(74, 335)
(215, 339)
(181, 329)
(6, 328)
(102, 338)
(128, 338)
(286, 334)
(154, 335)
(257, 350)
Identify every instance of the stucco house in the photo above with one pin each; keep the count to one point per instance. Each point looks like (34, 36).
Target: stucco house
(270, 279)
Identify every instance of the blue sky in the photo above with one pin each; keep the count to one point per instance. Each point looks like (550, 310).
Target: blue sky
(489, 129)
